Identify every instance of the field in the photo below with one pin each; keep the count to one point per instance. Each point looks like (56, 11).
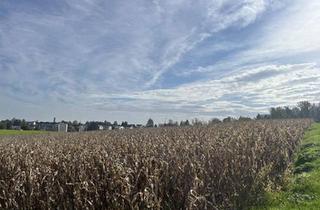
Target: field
(225, 166)
(19, 132)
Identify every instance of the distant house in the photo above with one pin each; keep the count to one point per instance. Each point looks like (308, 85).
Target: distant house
(47, 126)
(16, 127)
(62, 127)
(131, 126)
(52, 126)
(117, 127)
(83, 128)
(32, 125)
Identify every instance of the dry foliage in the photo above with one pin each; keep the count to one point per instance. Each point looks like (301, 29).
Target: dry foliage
(225, 166)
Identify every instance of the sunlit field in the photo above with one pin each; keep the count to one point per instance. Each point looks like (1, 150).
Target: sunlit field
(225, 166)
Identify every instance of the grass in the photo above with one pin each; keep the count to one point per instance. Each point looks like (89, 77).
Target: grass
(302, 191)
(19, 132)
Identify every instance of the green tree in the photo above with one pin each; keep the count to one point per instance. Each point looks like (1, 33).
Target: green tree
(150, 123)
(3, 125)
(214, 121)
(244, 118)
(305, 107)
(228, 119)
(184, 123)
(24, 125)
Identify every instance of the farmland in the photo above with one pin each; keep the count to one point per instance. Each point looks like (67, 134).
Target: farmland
(223, 166)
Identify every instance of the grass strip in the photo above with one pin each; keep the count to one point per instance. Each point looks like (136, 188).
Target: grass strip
(302, 191)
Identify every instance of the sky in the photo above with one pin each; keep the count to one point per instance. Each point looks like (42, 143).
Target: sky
(165, 59)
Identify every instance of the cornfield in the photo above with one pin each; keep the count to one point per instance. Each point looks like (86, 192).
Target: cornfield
(224, 166)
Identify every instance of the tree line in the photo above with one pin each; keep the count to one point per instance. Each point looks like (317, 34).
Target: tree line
(303, 109)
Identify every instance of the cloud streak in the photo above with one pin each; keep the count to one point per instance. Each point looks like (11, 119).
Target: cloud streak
(213, 57)
(247, 91)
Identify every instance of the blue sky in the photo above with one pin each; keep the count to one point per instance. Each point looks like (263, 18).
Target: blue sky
(178, 59)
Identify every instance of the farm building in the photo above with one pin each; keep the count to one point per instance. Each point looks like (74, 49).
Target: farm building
(47, 126)
(16, 127)
(32, 125)
(100, 127)
(62, 127)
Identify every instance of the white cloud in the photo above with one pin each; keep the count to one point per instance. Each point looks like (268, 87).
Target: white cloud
(293, 33)
(215, 16)
(96, 44)
(116, 55)
(247, 91)
(290, 36)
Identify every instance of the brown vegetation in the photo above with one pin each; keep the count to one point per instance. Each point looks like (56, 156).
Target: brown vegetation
(225, 166)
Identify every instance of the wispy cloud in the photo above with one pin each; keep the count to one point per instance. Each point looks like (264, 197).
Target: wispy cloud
(246, 91)
(213, 57)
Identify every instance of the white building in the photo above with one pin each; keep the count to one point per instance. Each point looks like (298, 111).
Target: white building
(16, 127)
(100, 127)
(62, 127)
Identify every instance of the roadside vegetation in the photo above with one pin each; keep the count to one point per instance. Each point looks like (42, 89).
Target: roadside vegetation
(302, 190)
